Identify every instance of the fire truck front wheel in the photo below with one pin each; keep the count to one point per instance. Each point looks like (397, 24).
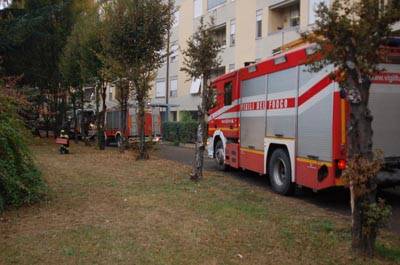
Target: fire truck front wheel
(280, 172)
(220, 156)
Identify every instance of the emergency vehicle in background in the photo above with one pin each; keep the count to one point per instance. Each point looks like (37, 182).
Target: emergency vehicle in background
(278, 118)
(114, 129)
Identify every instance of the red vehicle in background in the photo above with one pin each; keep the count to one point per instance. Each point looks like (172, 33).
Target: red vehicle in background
(114, 131)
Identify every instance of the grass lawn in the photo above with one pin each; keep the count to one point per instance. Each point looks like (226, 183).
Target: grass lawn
(108, 208)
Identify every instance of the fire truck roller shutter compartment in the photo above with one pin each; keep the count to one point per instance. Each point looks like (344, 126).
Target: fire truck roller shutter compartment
(315, 114)
(384, 105)
(156, 122)
(134, 122)
(252, 122)
(113, 121)
(281, 104)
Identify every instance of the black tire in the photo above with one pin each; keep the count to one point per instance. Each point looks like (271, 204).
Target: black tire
(280, 173)
(219, 156)
(119, 141)
(62, 150)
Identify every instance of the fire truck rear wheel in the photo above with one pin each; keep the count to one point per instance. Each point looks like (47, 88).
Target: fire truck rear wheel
(280, 172)
(220, 156)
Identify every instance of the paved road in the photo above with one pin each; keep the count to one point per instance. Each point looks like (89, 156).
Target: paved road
(335, 200)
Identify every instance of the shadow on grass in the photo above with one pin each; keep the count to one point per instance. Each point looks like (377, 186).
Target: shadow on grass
(389, 252)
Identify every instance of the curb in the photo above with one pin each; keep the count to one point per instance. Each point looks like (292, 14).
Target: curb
(182, 145)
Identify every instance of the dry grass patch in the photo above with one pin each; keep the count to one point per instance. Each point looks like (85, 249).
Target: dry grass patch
(108, 208)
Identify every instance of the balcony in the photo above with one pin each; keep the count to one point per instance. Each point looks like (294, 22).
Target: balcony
(219, 33)
(284, 16)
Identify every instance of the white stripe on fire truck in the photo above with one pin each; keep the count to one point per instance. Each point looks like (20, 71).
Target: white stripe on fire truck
(316, 79)
(252, 99)
(326, 91)
(228, 115)
(223, 109)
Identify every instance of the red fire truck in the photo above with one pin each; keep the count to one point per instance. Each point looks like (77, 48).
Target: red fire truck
(279, 119)
(114, 129)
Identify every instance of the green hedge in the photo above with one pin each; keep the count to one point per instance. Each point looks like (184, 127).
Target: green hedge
(180, 132)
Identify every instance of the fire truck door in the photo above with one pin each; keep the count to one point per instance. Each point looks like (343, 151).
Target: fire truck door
(315, 114)
(252, 113)
(281, 104)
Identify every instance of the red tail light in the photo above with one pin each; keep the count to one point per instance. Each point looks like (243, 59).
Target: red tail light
(341, 164)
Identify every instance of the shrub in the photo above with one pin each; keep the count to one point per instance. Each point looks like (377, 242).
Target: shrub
(20, 180)
(180, 132)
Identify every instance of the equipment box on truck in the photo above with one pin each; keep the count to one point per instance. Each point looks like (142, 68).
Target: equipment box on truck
(114, 125)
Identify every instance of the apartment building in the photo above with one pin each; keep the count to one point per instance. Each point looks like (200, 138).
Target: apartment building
(249, 31)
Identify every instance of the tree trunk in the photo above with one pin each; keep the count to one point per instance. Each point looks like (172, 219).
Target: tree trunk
(83, 121)
(360, 143)
(142, 141)
(200, 147)
(98, 118)
(54, 113)
(73, 98)
(124, 110)
(101, 120)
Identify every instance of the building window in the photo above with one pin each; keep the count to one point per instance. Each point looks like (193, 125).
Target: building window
(294, 17)
(218, 72)
(174, 115)
(313, 5)
(195, 87)
(228, 94)
(160, 89)
(231, 67)
(174, 52)
(176, 19)
(233, 32)
(173, 88)
(219, 33)
(259, 24)
(198, 8)
(214, 3)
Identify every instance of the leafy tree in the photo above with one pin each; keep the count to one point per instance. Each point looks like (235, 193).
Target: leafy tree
(201, 59)
(20, 180)
(350, 36)
(136, 33)
(33, 34)
(82, 64)
(71, 74)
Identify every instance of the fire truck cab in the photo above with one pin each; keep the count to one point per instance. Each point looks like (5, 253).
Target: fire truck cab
(280, 119)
